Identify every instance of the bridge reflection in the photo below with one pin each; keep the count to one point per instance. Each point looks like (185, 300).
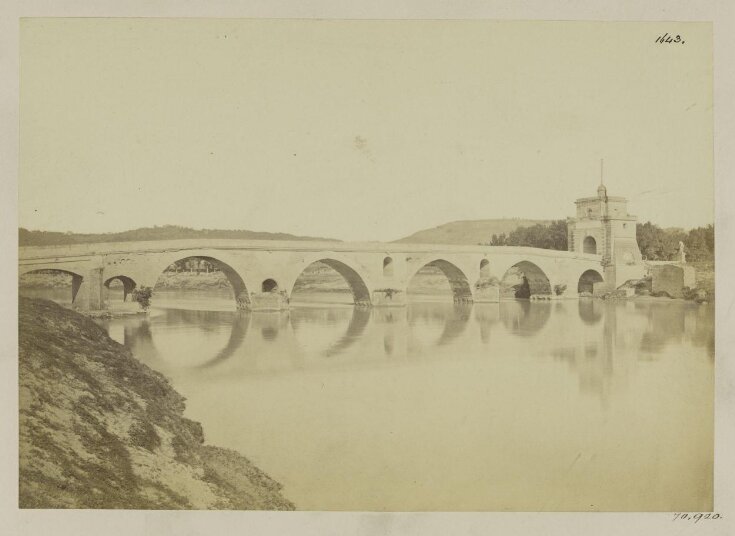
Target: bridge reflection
(590, 310)
(601, 342)
(524, 318)
(358, 322)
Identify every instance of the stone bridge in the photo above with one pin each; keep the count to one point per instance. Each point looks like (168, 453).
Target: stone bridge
(263, 273)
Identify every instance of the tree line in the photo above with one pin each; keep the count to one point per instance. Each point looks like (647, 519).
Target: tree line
(549, 236)
(164, 232)
(656, 243)
(659, 244)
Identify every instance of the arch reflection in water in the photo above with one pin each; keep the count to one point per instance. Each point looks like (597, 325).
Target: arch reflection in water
(185, 339)
(315, 327)
(391, 323)
(673, 324)
(358, 323)
(590, 310)
(240, 323)
(608, 338)
(139, 339)
(423, 318)
(270, 325)
(160, 338)
(486, 314)
(455, 324)
(134, 333)
(583, 380)
(590, 352)
(523, 317)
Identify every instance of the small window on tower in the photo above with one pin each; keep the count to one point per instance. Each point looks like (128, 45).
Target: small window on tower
(589, 245)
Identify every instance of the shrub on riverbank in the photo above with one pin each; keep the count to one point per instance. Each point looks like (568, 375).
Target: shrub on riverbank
(143, 296)
(99, 429)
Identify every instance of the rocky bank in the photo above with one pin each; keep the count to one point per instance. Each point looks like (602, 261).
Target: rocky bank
(99, 429)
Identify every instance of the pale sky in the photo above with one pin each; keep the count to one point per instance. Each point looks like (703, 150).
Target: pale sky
(358, 130)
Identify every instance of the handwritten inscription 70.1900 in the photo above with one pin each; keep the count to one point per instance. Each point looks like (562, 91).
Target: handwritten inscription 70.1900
(684, 516)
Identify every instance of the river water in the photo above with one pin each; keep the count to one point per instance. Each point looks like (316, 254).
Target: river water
(565, 405)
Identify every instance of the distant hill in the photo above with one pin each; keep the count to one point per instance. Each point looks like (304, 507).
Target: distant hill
(468, 232)
(165, 232)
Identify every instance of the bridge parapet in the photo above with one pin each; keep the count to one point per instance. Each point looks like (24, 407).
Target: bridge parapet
(377, 273)
(182, 245)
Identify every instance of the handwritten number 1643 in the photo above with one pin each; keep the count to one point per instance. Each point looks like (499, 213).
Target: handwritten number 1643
(667, 38)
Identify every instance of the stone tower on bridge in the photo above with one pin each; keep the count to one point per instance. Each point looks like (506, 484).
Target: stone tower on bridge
(602, 226)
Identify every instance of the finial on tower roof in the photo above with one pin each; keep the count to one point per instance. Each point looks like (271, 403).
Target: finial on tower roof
(601, 190)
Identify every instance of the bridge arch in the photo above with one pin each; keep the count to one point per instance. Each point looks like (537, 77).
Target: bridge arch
(484, 269)
(523, 280)
(388, 266)
(220, 262)
(458, 281)
(67, 268)
(588, 279)
(269, 285)
(127, 282)
(353, 278)
(76, 277)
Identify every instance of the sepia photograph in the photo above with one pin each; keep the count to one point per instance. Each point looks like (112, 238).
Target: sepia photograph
(366, 265)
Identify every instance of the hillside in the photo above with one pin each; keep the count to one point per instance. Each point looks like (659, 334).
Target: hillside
(165, 232)
(468, 232)
(99, 429)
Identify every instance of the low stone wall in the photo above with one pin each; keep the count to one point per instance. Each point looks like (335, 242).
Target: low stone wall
(672, 279)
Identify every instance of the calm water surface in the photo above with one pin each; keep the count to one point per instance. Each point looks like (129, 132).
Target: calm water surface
(570, 405)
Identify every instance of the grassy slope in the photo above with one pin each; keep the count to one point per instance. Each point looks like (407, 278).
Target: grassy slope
(99, 429)
(468, 232)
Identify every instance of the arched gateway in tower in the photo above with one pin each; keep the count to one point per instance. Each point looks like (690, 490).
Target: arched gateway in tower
(603, 227)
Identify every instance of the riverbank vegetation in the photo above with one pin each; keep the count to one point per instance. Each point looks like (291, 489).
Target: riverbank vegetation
(655, 243)
(99, 429)
(551, 235)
